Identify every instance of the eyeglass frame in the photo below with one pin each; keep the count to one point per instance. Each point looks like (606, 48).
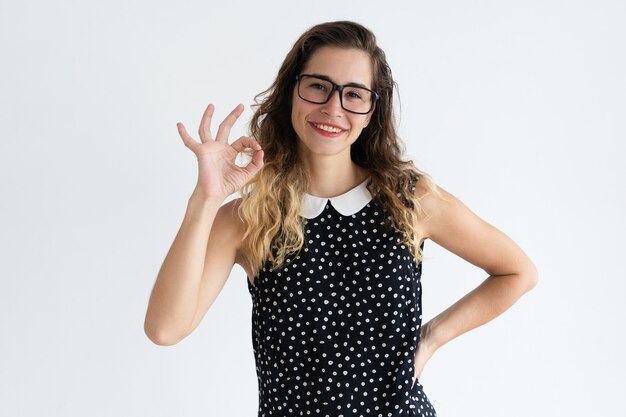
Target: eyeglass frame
(337, 87)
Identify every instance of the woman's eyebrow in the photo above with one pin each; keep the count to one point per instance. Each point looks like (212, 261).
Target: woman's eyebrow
(327, 78)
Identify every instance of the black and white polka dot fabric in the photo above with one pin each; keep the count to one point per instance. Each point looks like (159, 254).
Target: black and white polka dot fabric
(334, 330)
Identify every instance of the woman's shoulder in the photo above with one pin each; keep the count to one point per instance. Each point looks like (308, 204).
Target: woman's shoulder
(227, 225)
(229, 213)
(434, 201)
(229, 219)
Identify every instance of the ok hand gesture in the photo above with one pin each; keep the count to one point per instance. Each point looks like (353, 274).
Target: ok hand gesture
(218, 175)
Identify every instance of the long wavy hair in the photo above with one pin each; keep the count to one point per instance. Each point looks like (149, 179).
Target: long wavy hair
(272, 200)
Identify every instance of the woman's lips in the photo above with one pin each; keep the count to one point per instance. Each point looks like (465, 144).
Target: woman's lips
(326, 129)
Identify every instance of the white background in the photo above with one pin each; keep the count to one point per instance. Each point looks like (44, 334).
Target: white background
(517, 108)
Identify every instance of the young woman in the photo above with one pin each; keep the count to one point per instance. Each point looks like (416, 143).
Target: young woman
(330, 229)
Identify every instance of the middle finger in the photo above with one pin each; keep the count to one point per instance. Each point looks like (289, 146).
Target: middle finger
(227, 124)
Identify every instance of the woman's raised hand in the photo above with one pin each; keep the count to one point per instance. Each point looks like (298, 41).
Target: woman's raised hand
(218, 175)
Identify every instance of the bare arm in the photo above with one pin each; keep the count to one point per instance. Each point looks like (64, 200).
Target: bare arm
(203, 253)
(174, 299)
(511, 273)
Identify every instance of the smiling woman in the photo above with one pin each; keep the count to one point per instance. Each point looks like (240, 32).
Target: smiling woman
(317, 111)
(330, 229)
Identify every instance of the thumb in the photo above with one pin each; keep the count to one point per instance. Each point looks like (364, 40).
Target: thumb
(255, 164)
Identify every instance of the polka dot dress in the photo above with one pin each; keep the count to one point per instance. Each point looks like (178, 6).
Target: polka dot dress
(335, 329)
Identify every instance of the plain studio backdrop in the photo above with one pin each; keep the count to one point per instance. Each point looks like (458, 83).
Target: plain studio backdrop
(517, 108)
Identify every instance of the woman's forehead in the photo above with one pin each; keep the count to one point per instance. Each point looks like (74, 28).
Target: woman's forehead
(341, 65)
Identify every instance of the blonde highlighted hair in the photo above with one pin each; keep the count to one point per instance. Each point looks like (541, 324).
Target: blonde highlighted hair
(272, 200)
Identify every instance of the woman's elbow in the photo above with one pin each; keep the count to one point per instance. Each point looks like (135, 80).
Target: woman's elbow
(160, 337)
(531, 276)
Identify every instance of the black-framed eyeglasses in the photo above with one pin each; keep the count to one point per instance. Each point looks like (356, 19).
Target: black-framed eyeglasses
(353, 97)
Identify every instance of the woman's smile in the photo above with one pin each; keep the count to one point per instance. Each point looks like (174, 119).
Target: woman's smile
(327, 129)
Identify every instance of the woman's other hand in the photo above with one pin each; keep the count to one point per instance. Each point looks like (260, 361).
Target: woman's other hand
(424, 352)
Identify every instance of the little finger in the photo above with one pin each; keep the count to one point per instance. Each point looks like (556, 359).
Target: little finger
(187, 140)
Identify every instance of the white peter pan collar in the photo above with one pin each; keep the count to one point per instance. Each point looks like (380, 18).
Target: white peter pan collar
(347, 204)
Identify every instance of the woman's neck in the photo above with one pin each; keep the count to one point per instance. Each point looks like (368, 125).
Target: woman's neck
(328, 178)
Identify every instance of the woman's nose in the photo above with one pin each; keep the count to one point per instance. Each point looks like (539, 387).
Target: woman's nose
(333, 105)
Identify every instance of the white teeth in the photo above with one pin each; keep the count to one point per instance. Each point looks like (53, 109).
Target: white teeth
(328, 128)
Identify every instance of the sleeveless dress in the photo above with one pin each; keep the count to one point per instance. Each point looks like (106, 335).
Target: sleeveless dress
(335, 329)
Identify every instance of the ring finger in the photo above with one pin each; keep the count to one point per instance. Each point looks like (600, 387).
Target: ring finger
(205, 124)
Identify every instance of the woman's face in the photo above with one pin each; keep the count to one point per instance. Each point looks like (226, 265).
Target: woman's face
(327, 129)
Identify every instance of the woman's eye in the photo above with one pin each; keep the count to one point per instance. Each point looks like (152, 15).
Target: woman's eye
(353, 95)
(318, 86)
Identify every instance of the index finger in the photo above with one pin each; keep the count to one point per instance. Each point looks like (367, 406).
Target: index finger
(227, 124)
